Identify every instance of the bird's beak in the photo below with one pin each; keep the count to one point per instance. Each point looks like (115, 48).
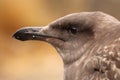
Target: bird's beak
(33, 33)
(29, 33)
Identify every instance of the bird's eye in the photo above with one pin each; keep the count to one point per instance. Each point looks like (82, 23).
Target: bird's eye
(72, 30)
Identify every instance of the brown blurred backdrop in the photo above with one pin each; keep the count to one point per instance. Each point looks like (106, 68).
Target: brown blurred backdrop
(35, 60)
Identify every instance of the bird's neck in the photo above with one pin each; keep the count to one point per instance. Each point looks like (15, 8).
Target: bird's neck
(75, 67)
(73, 70)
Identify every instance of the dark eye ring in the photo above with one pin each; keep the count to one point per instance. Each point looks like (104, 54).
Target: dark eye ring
(72, 30)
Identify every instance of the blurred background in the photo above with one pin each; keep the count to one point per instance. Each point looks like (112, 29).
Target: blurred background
(35, 60)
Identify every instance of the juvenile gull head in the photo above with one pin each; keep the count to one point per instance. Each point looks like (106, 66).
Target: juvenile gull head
(82, 39)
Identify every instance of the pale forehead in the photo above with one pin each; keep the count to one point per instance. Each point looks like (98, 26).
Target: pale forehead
(74, 17)
(85, 16)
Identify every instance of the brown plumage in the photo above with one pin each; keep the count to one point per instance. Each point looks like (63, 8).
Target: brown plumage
(88, 43)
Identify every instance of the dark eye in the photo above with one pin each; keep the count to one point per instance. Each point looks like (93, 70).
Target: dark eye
(72, 30)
